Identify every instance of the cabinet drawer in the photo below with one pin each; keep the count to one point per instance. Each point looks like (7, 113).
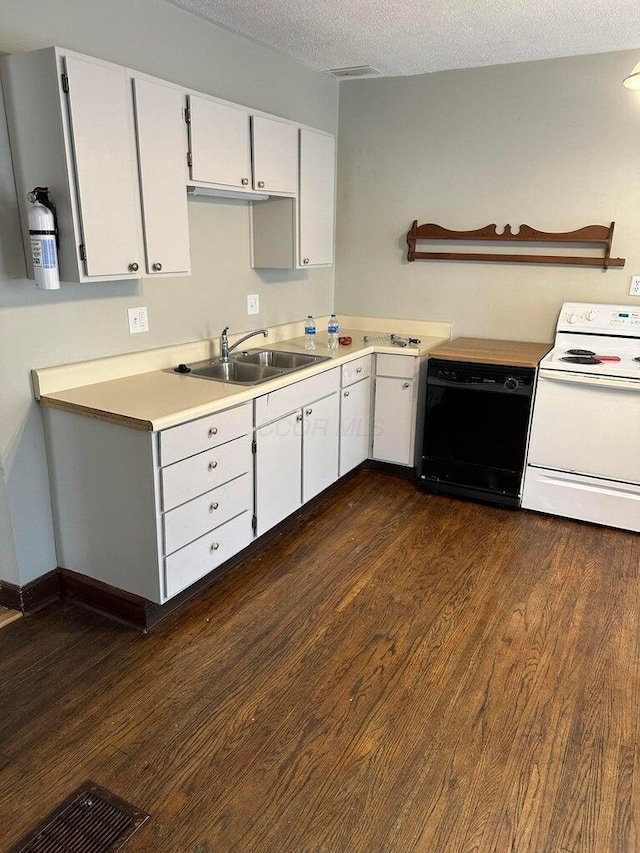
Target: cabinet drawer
(194, 437)
(294, 396)
(356, 370)
(191, 520)
(403, 366)
(199, 474)
(196, 560)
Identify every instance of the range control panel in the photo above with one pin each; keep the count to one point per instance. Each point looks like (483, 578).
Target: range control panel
(597, 318)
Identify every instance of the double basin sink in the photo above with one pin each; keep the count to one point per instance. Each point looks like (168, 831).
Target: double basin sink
(252, 367)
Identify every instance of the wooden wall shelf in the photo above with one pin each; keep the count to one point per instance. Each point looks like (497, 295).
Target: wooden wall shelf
(591, 235)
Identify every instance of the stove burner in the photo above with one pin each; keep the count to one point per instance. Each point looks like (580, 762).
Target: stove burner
(580, 359)
(580, 352)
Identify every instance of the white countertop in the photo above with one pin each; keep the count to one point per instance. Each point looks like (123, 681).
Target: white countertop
(155, 399)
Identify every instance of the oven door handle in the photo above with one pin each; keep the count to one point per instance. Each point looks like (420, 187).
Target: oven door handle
(593, 381)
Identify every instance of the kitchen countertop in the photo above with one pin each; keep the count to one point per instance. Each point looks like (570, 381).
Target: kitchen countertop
(155, 399)
(488, 351)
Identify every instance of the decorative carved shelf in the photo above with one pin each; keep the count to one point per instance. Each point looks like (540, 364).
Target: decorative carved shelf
(593, 235)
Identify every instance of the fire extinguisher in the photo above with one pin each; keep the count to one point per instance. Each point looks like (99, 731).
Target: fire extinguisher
(43, 230)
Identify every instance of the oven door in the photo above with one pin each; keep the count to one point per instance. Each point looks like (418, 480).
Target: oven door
(587, 425)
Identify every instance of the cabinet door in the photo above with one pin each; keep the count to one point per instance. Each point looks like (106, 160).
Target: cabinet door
(355, 425)
(393, 421)
(219, 137)
(105, 166)
(316, 199)
(320, 446)
(161, 153)
(275, 155)
(277, 472)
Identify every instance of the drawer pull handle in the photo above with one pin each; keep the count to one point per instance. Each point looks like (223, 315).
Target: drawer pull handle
(213, 465)
(213, 431)
(213, 506)
(358, 370)
(214, 546)
(346, 393)
(407, 385)
(309, 412)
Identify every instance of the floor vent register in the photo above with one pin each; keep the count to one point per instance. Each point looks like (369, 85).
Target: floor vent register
(91, 820)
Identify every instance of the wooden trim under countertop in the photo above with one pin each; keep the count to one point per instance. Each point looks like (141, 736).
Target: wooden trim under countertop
(489, 351)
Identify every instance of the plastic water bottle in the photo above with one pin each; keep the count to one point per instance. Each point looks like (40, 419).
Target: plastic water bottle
(332, 332)
(309, 333)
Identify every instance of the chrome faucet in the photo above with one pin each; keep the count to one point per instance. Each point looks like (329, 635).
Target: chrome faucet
(225, 349)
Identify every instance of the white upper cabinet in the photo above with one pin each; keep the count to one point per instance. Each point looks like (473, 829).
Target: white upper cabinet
(219, 144)
(298, 233)
(316, 201)
(71, 128)
(161, 149)
(275, 155)
(105, 166)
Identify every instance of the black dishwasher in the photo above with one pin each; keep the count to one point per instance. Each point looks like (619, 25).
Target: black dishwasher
(475, 430)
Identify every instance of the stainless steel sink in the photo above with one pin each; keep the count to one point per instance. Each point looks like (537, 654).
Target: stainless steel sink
(251, 367)
(280, 359)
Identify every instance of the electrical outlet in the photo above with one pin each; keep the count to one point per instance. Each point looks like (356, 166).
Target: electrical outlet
(138, 320)
(253, 303)
(634, 290)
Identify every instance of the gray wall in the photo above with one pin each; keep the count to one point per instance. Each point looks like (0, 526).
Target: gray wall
(553, 144)
(89, 321)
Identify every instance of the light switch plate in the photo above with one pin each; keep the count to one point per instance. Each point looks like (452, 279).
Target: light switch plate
(253, 303)
(138, 320)
(634, 290)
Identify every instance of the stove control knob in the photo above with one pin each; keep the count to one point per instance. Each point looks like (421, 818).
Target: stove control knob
(511, 383)
(591, 315)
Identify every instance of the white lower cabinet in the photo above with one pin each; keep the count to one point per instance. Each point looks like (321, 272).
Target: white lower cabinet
(355, 413)
(396, 408)
(296, 446)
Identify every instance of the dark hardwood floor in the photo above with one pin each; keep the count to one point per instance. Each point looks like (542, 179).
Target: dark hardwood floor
(399, 673)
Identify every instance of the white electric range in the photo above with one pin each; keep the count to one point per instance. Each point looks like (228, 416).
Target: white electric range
(584, 447)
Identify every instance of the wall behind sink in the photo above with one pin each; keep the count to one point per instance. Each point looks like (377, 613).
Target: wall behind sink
(553, 144)
(89, 321)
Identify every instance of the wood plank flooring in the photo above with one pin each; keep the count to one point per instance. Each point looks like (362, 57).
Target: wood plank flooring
(398, 673)
(7, 616)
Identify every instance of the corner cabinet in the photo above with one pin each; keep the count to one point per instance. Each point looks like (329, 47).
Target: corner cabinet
(77, 136)
(299, 233)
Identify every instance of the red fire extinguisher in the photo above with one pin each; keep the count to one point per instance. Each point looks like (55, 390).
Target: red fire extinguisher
(43, 231)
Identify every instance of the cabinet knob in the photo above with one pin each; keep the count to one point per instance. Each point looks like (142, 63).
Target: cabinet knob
(358, 370)
(244, 182)
(308, 411)
(214, 546)
(157, 267)
(346, 393)
(260, 185)
(305, 260)
(406, 385)
(134, 267)
(299, 418)
(213, 465)
(213, 506)
(213, 431)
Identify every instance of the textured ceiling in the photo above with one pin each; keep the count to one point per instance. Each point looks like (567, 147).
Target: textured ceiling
(418, 36)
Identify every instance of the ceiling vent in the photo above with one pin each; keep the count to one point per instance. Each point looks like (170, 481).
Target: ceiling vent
(356, 71)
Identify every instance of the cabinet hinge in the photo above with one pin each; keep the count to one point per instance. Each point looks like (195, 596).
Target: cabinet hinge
(254, 446)
(254, 522)
(189, 159)
(65, 83)
(187, 115)
(83, 252)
